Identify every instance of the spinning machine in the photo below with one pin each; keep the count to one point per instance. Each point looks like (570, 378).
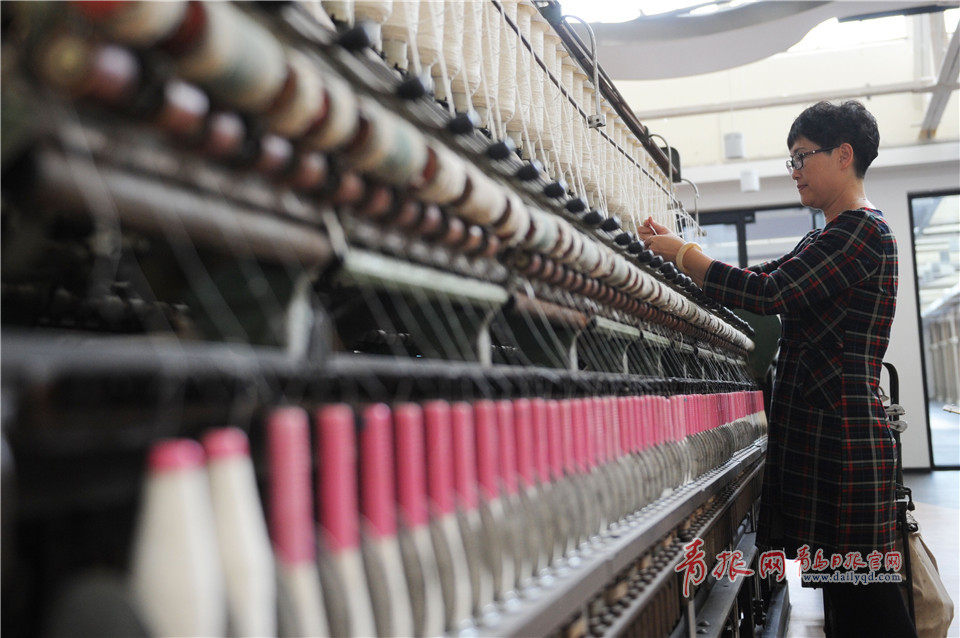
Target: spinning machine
(329, 318)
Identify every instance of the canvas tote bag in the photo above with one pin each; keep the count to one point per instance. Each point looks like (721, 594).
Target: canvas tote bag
(933, 608)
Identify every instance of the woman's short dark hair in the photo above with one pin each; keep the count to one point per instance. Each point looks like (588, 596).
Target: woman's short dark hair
(827, 124)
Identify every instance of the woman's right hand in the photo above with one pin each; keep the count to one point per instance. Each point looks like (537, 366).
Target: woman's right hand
(660, 239)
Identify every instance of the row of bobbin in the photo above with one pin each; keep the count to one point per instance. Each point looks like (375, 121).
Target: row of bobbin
(549, 271)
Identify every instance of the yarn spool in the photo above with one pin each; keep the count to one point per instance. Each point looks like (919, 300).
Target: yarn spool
(547, 236)
(519, 125)
(317, 12)
(375, 13)
(507, 84)
(102, 72)
(341, 120)
(399, 28)
(140, 24)
(514, 225)
(387, 146)
(487, 97)
(590, 139)
(551, 93)
(538, 30)
(572, 128)
(611, 163)
(452, 54)
(429, 36)
(445, 179)
(304, 105)
(484, 201)
(236, 60)
(340, 11)
(467, 82)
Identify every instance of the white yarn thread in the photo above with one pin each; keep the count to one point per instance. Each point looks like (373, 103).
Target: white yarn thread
(430, 33)
(538, 29)
(399, 29)
(466, 84)
(583, 94)
(524, 111)
(453, 33)
(608, 169)
(488, 93)
(566, 114)
(507, 86)
(550, 91)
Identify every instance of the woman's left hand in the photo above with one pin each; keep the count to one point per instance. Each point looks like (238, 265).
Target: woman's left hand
(660, 239)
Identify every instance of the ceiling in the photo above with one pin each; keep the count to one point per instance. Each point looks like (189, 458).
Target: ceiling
(679, 44)
(717, 35)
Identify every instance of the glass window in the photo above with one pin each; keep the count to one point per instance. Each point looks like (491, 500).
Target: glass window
(749, 237)
(936, 242)
(775, 232)
(720, 242)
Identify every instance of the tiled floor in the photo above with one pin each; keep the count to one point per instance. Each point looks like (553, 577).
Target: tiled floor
(937, 496)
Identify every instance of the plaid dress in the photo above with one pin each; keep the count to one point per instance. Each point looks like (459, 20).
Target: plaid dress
(831, 458)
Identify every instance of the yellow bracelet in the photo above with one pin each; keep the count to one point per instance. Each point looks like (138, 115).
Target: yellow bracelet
(683, 251)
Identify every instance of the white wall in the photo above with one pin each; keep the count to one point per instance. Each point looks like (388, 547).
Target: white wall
(896, 174)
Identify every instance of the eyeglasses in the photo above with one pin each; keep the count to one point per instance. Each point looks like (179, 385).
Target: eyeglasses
(795, 163)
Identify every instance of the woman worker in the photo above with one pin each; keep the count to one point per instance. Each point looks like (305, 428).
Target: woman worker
(829, 478)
